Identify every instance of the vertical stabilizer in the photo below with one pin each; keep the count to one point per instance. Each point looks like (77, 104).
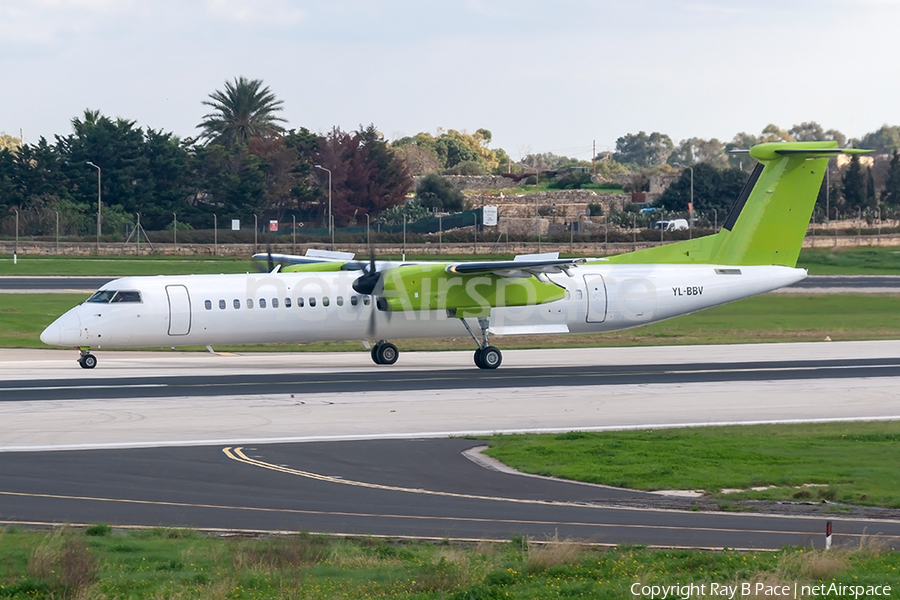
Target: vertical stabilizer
(768, 222)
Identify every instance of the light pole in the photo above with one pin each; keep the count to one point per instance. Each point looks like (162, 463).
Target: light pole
(691, 211)
(16, 251)
(57, 231)
(691, 204)
(330, 218)
(98, 204)
(368, 242)
(215, 234)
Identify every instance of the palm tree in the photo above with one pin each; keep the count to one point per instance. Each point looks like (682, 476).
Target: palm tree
(243, 111)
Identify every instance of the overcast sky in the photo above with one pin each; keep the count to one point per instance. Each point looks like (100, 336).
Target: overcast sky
(543, 76)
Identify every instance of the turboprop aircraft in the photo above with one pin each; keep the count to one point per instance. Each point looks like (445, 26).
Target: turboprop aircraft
(332, 296)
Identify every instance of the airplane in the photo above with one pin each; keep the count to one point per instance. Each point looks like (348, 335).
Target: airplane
(331, 296)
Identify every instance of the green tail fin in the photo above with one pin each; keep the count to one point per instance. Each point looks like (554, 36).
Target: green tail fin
(768, 222)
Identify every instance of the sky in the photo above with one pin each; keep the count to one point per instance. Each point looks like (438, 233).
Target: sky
(542, 76)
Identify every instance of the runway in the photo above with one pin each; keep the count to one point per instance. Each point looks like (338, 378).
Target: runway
(332, 443)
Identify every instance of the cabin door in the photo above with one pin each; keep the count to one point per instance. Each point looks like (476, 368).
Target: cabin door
(179, 310)
(596, 292)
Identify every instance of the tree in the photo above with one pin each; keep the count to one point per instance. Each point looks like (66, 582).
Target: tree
(810, 131)
(854, 184)
(885, 140)
(437, 193)
(714, 189)
(871, 202)
(891, 193)
(230, 182)
(366, 175)
(245, 110)
(8, 142)
(696, 150)
(418, 160)
(453, 147)
(643, 150)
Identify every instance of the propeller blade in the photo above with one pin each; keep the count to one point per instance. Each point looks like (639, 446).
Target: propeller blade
(271, 262)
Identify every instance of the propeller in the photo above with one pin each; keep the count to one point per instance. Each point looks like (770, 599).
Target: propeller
(270, 262)
(370, 283)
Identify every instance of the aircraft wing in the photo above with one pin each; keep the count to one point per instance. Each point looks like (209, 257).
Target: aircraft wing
(312, 256)
(515, 268)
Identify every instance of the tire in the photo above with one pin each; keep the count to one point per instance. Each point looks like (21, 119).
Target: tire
(478, 362)
(88, 361)
(375, 350)
(491, 358)
(388, 354)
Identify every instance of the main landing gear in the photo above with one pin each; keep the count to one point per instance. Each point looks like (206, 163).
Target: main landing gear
(385, 353)
(486, 356)
(87, 360)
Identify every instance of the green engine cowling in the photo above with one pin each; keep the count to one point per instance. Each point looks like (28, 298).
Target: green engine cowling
(430, 287)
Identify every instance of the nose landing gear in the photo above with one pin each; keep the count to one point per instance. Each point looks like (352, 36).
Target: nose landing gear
(87, 360)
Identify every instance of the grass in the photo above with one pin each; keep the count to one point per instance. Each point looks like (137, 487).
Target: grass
(851, 261)
(115, 266)
(160, 563)
(819, 261)
(768, 318)
(855, 463)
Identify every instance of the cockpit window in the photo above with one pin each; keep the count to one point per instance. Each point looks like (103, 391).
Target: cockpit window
(102, 296)
(127, 296)
(108, 296)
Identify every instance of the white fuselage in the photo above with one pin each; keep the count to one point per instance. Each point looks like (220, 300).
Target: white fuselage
(307, 307)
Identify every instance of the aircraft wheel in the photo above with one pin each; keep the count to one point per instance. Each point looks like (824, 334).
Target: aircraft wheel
(87, 361)
(490, 358)
(375, 349)
(478, 362)
(387, 354)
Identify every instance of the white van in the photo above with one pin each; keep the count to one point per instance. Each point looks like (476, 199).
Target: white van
(672, 225)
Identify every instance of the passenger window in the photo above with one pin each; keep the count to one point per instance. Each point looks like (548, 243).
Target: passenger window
(326, 301)
(340, 300)
(366, 300)
(299, 302)
(262, 302)
(249, 302)
(579, 294)
(354, 300)
(287, 302)
(207, 304)
(312, 301)
(237, 303)
(222, 304)
(274, 302)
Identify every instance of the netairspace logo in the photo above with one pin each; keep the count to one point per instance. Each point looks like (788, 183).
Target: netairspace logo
(741, 590)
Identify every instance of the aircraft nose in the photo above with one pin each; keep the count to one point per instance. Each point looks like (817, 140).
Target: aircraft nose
(65, 331)
(52, 334)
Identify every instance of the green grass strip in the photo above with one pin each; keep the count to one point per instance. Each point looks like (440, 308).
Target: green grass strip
(179, 564)
(856, 463)
(819, 261)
